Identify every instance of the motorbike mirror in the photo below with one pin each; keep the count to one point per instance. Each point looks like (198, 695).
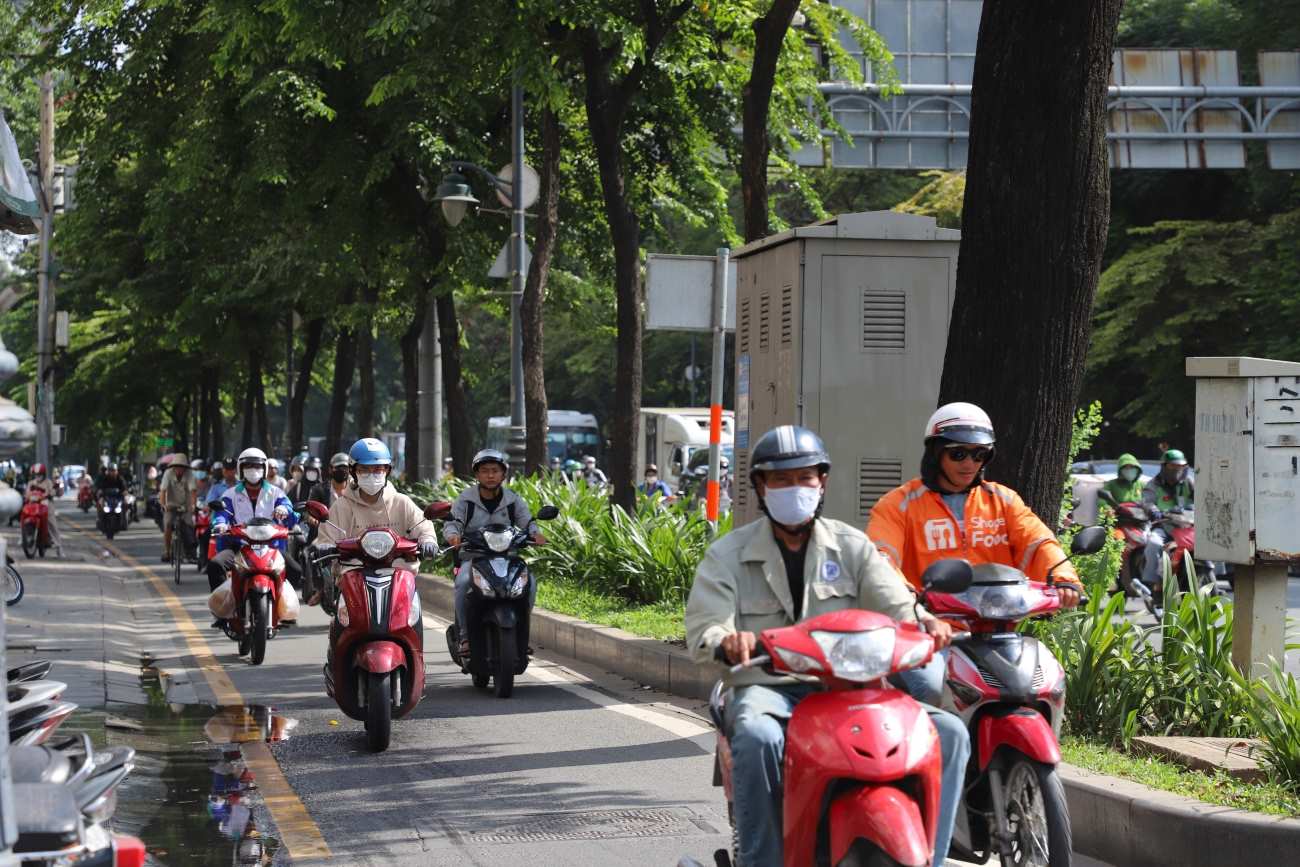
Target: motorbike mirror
(316, 509)
(438, 510)
(1089, 540)
(948, 576)
(547, 513)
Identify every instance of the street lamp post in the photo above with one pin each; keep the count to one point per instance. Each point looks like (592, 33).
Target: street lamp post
(455, 196)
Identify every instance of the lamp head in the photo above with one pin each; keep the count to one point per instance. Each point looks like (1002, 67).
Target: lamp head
(455, 197)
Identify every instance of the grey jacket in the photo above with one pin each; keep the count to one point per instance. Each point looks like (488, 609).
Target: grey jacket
(469, 513)
(741, 586)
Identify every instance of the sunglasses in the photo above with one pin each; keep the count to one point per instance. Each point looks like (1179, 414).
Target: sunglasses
(961, 453)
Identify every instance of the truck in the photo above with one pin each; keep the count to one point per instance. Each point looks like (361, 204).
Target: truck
(672, 435)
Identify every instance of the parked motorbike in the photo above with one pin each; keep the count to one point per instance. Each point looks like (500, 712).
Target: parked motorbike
(112, 518)
(13, 582)
(1010, 691)
(500, 605)
(35, 523)
(863, 767)
(375, 665)
(256, 581)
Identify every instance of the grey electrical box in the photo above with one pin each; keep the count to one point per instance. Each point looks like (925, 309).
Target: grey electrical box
(841, 326)
(1247, 459)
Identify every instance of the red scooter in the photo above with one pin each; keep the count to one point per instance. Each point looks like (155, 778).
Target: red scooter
(256, 581)
(375, 665)
(202, 542)
(85, 496)
(862, 760)
(1010, 691)
(35, 523)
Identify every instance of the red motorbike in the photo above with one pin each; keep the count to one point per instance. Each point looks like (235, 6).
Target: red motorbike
(862, 760)
(85, 497)
(375, 665)
(35, 522)
(256, 580)
(1010, 691)
(202, 543)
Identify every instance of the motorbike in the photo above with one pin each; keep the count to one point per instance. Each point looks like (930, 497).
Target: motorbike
(1009, 690)
(35, 711)
(112, 518)
(202, 529)
(35, 522)
(863, 767)
(374, 668)
(85, 497)
(500, 605)
(1136, 524)
(13, 582)
(256, 581)
(130, 508)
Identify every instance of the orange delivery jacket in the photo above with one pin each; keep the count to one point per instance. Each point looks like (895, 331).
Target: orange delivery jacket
(913, 527)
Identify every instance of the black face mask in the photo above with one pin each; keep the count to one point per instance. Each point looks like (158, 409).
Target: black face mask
(339, 475)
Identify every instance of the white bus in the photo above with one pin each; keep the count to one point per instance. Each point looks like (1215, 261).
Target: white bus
(570, 435)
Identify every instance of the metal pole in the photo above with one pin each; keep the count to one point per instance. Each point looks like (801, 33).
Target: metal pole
(716, 377)
(517, 275)
(45, 287)
(8, 824)
(430, 396)
(694, 376)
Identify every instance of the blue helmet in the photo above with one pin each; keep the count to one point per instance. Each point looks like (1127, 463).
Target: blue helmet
(370, 451)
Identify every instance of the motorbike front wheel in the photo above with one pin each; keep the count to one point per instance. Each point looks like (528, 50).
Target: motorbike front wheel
(13, 585)
(29, 540)
(260, 623)
(504, 653)
(379, 711)
(1037, 816)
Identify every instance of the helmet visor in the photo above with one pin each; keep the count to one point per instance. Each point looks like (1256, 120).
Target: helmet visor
(969, 435)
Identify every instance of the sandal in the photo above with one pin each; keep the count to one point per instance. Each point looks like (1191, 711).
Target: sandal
(462, 649)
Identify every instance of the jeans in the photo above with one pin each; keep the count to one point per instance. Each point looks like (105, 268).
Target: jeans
(756, 719)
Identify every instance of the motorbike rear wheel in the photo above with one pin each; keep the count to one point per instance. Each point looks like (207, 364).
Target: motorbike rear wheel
(29, 540)
(504, 653)
(1038, 816)
(13, 585)
(379, 711)
(260, 623)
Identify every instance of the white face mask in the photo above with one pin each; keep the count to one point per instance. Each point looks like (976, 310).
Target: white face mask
(371, 483)
(1129, 474)
(312, 476)
(253, 475)
(792, 506)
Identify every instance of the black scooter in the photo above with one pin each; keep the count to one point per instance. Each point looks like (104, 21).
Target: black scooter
(112, 513)
(500, 605)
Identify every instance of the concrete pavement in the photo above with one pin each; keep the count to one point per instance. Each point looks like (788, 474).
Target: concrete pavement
(579, 767)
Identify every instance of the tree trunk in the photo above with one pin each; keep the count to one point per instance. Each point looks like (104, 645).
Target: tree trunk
(181, 424)
(756, 144)
(263, 436)
(453, 386)
(606, 109)
(301, 388)
(218, 426)
(202, 439)
(1034, 229)
(410, 345)
(254, 376)
(345, 357)
(530, 307)
(366, 368)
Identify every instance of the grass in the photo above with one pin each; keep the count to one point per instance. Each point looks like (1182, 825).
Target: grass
(662, 620)
(1218, 788)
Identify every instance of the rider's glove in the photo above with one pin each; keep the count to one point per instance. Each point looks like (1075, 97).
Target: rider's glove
(1155, 513)
(428, 549)
(219, 529)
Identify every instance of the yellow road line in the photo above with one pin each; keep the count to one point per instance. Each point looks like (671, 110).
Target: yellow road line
(298, 833)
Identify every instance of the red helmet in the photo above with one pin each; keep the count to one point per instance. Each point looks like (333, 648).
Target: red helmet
(38, 469)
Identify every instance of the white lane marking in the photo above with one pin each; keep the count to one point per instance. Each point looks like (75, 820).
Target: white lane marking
(571, 682)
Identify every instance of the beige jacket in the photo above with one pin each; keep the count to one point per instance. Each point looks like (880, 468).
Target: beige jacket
(741, 586)
(350, 515)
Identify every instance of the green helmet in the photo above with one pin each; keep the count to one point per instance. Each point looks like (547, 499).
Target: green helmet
(1174, 456)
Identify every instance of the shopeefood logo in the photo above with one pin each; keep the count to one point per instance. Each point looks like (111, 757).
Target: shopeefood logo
(940, 534)
(987, 532)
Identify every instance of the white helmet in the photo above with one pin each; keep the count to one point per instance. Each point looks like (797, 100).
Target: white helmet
(252, 457)
(960, 423)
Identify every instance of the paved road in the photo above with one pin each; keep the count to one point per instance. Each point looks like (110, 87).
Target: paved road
(577, 768)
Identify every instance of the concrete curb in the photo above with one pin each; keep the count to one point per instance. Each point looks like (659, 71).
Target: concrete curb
(1114, 820)
(643, 660)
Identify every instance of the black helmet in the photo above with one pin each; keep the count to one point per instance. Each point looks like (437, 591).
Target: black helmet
(228, 463)
(313, 463)
(488, 456)
(788, 447)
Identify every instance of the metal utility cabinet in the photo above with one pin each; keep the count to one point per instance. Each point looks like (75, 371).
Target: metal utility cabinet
(841, 326)
(1248, 489)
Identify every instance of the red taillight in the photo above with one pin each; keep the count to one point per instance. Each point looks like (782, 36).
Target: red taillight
(127, 851)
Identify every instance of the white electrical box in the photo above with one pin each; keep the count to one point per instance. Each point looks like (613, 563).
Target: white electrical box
(1247, 459)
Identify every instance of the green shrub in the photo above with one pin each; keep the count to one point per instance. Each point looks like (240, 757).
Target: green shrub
(1275, 717)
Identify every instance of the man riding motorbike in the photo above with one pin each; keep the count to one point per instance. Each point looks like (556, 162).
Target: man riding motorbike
(1126, 487)
(1170, 490)
(40, 480)
(252, 497)
(177, 494)
(795, 565)
(310, 486)
(111, 480)
(951, 511)
(488, 502)
(340, 473)
(370, 501)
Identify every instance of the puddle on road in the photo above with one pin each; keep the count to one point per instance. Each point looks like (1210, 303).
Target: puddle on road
(191, 797)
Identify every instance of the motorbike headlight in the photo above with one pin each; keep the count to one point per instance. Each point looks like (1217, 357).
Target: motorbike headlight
(117, 508)
(859, 656)
(1000, 601)
(482, 584)
(499, 540)
(259, 532)
(377, 544)
(521, 583)
(798, 662)
(414, 617)
(341, 612)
